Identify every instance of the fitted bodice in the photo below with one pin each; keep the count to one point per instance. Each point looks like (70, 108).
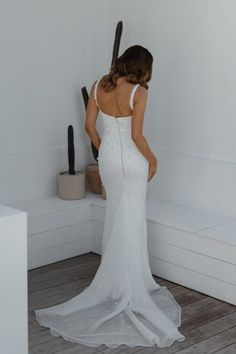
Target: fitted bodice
(116, 133)
(111, 123)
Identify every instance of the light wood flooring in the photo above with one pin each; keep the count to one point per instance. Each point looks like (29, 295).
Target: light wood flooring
(208, 324)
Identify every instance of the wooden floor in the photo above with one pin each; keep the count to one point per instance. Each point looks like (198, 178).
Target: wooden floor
(208, 324)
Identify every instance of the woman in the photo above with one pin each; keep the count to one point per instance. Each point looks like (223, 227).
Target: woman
(123, 304)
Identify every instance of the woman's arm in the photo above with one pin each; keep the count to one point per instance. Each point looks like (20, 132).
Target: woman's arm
(140, 102)
(91, 118)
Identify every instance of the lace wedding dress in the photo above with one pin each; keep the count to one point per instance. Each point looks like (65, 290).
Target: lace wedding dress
(123, 304)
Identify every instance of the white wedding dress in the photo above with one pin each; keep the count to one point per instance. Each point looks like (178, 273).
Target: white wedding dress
(123, 304)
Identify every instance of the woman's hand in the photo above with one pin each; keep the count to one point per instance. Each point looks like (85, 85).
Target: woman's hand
(152, 168)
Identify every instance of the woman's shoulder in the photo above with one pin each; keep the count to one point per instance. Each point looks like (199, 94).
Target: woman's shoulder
(141, 92)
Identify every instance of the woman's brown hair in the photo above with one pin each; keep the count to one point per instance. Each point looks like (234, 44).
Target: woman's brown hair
(135, 64)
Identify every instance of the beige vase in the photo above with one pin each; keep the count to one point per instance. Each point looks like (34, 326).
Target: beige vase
(71, 187)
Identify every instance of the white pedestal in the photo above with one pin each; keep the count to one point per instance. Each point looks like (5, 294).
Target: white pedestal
(13, 281)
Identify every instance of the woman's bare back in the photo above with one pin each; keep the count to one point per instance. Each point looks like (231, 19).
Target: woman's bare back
(116, 102)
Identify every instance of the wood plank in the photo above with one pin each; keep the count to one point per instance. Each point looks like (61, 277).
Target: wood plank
(83, 349)
(230, 349)
(201, 305)
(189, 297)
(207, 316)
(51, 346)
(212, 344)
(55, 279)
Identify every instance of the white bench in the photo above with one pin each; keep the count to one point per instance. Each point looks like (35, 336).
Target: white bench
(191, 247)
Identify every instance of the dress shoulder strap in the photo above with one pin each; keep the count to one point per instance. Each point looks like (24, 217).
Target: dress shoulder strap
(131, 102)
(95, 92)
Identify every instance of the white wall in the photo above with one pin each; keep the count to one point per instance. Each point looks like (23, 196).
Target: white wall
(49, 51)
(190, 120)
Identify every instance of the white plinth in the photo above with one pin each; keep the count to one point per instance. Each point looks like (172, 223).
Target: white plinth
(13, 280)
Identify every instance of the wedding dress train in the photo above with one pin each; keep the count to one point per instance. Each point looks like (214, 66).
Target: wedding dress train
(123, 304)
